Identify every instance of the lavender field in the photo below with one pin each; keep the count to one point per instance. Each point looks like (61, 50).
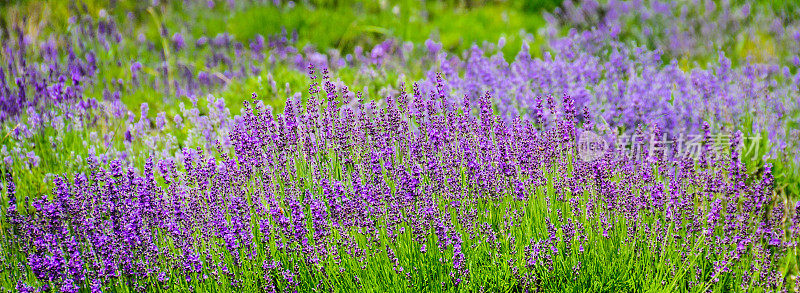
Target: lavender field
(399, 146)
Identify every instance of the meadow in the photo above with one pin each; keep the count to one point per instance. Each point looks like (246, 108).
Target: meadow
(400, 146)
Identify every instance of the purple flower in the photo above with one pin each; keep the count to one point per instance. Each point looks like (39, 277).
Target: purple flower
(178, 41)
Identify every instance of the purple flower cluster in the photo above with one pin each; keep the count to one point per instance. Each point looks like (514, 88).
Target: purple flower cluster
(54, 92)
(64, 68)
(623, 86)
(60, 74)
(693, 28)
(416, 191)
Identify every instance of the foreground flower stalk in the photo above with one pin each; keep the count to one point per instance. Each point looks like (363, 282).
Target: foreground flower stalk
(415, 194)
